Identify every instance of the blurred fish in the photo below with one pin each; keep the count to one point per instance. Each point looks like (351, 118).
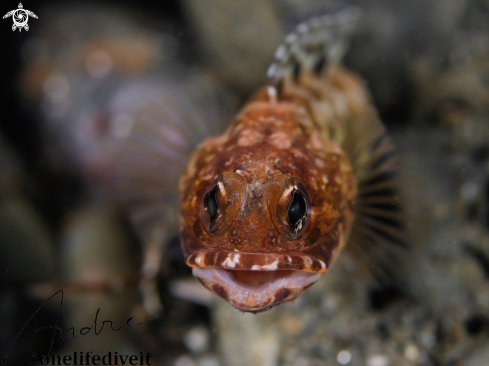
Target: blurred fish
(96, 126)
(77, 65)
(304, 170)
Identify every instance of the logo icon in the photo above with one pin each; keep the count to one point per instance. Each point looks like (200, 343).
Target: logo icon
(20, 17)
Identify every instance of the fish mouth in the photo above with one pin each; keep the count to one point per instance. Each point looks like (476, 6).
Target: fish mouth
(255, 282)
(255, 290)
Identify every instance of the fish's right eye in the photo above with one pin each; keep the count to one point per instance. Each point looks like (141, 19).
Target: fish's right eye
(221, 202)
(211, 207)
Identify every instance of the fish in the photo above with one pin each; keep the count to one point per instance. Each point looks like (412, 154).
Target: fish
(303, 172)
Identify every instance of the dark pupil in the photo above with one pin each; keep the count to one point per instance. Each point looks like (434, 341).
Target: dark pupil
(297, 209)
(210, 205)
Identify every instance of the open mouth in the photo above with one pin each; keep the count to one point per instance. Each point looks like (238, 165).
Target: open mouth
(255, 290)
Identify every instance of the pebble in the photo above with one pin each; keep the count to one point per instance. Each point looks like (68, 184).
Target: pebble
(197, 339)
(378, 360)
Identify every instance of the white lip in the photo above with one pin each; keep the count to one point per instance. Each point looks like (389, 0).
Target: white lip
(255, 290)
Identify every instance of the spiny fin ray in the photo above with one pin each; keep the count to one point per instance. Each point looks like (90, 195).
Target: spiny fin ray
(312, 47)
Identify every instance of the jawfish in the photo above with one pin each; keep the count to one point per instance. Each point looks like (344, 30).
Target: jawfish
(303, 171)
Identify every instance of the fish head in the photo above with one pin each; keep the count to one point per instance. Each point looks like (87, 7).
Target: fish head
(263, 215)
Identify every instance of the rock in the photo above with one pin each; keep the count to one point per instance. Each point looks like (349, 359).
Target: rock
(259, 332)
(238, 39)
(197, 339)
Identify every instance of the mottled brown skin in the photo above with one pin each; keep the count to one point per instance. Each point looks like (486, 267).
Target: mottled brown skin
(270, 147)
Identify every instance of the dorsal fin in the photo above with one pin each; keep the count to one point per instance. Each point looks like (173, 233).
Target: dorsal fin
(314, 46)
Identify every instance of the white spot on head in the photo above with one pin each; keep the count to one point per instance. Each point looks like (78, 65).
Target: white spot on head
(319, 163)
(267, 267)
(323, 265)
(231, 262)
(325, 179)
(307, 262)
(249, 137)
(221, 187)
(316, 140)
(280, 140)
(297, 153)
(290, 190)
(228, 263)
(200, 259)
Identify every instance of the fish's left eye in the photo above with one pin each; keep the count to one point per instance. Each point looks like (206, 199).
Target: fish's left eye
(289, 205)
(297, 211)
